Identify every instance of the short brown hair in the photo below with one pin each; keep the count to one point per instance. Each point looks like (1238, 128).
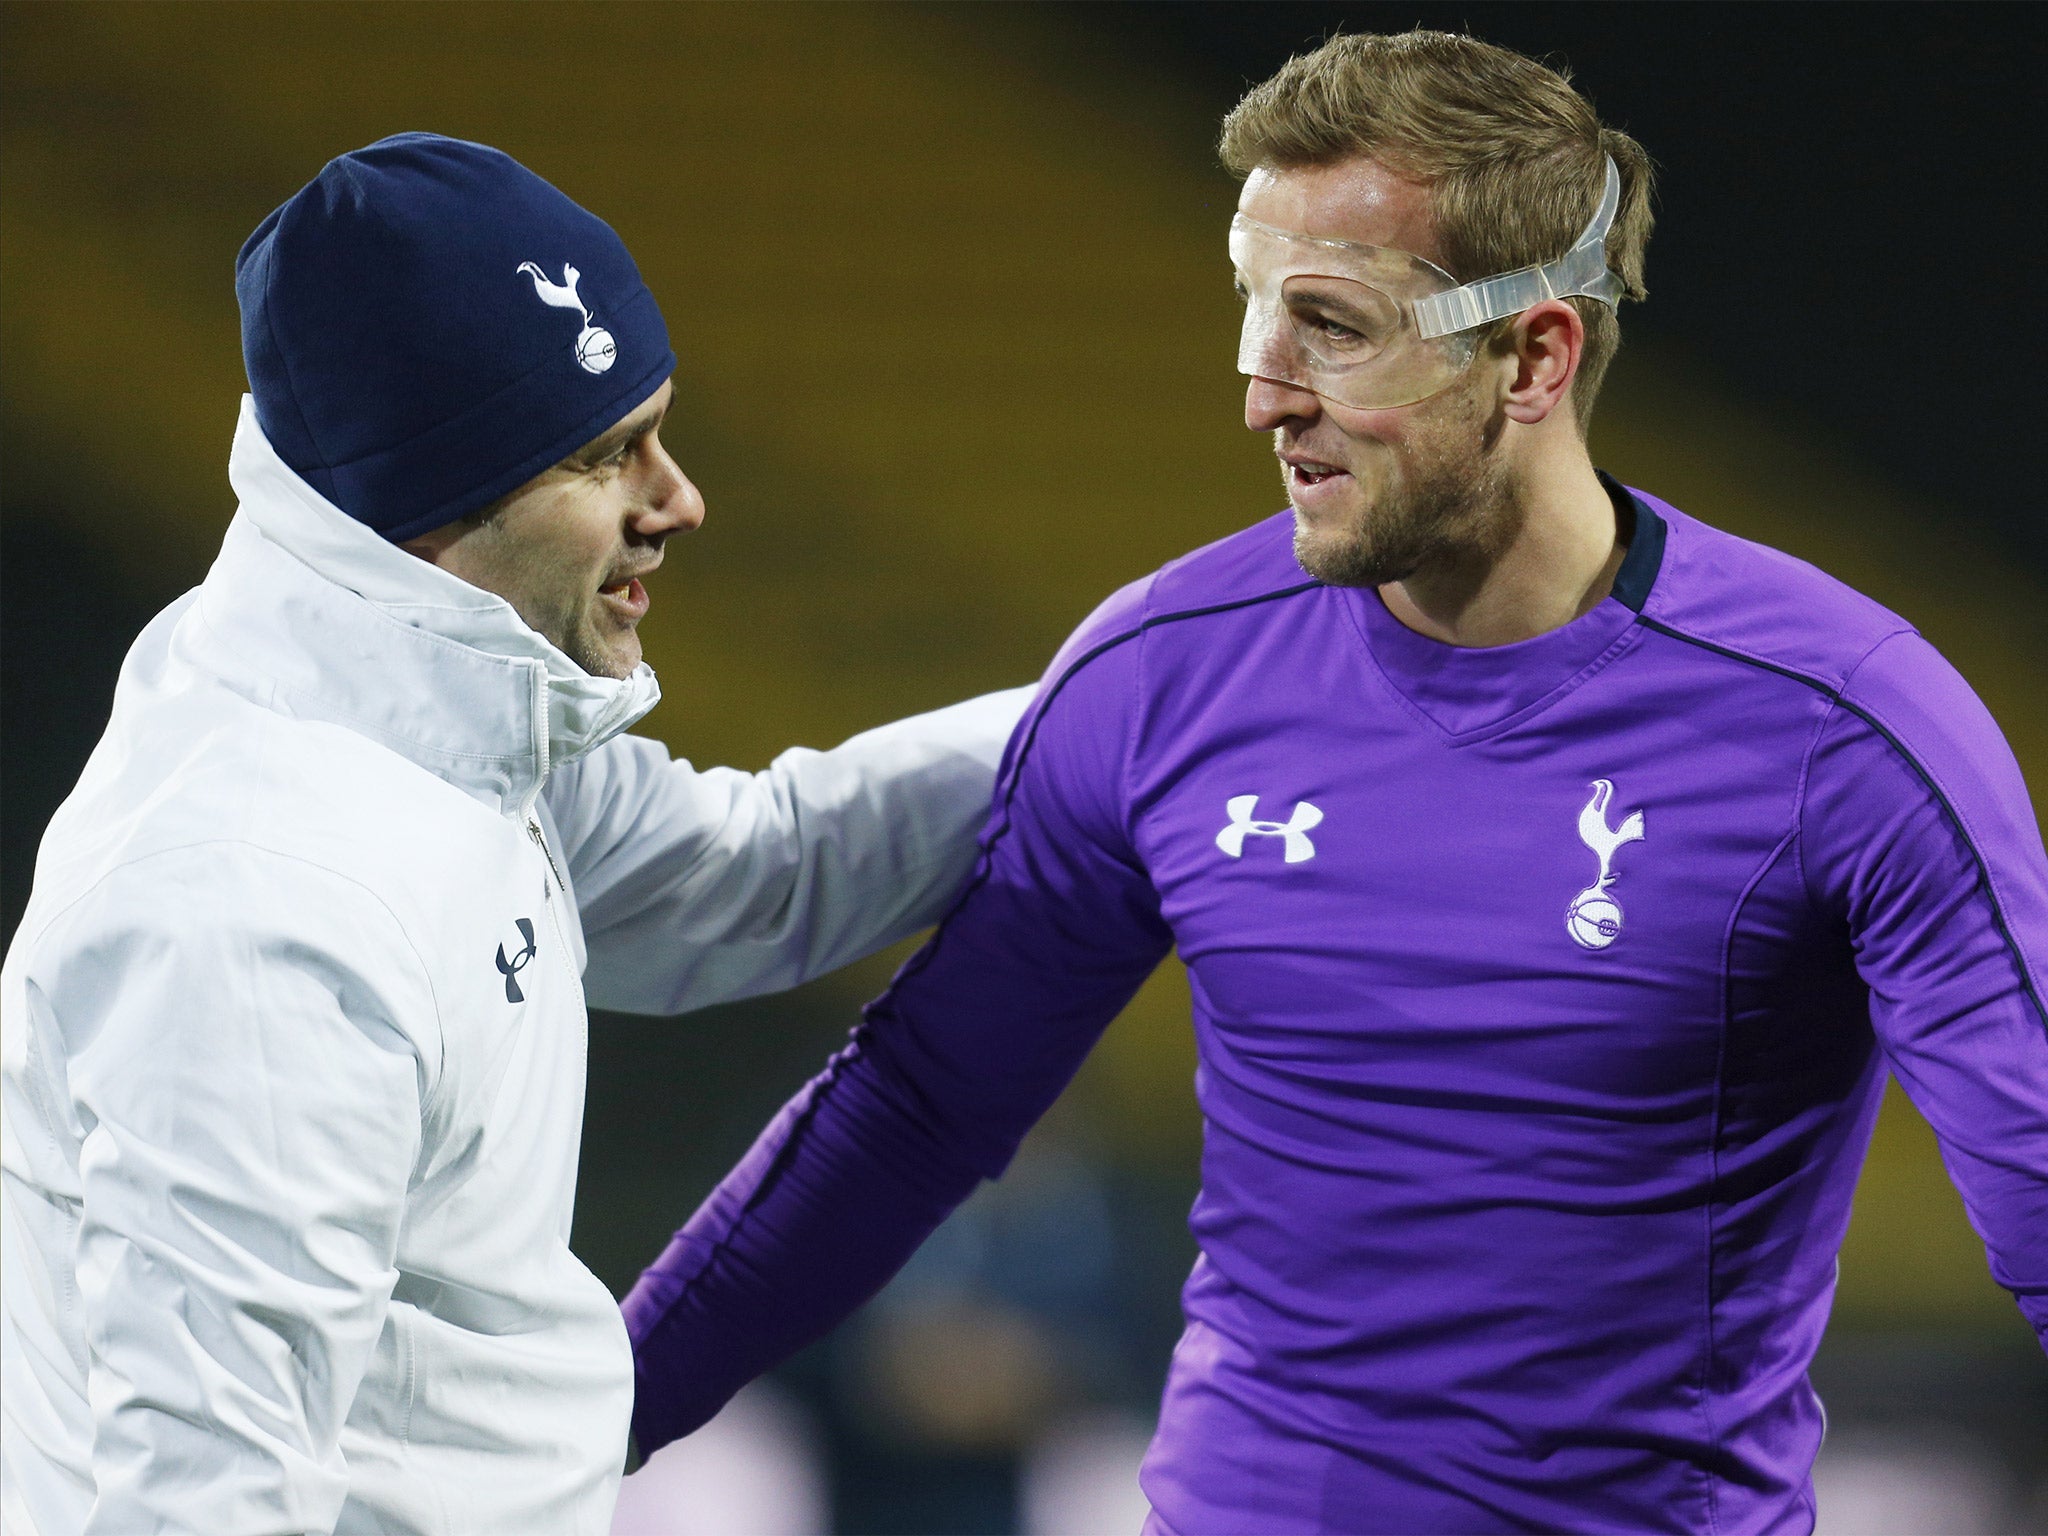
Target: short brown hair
(1511, 154)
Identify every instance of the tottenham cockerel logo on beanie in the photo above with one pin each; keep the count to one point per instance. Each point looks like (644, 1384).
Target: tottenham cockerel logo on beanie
(402, 330)
(596, 349)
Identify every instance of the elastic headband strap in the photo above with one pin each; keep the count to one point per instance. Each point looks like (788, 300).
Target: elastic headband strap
(1580, 272)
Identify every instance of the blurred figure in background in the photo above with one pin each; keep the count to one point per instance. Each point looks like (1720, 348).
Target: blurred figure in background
(1557, 877)
(296, 1023)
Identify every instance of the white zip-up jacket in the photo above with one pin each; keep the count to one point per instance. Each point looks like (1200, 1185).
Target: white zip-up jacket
(294, 1032)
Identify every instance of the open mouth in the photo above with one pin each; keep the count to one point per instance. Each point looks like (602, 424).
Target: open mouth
(1310, 472)
(627, 597)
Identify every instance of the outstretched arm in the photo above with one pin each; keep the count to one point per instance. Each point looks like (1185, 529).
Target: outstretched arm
(1917, 827)
(975, 1038)
(700, 887)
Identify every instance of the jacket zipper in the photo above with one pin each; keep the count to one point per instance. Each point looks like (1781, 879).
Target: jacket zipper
(548, 887)
(533, 831)
(561, 937)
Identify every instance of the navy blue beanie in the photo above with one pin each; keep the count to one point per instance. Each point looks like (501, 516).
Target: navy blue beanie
(428, 325)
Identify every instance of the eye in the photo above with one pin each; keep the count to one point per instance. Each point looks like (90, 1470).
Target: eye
(1343, 318)
(1327, 328)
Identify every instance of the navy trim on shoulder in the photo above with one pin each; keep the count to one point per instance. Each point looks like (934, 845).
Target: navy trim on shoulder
(1157, 619)
(986, 863)
(1645, 557)
(1834, 696)
(1116, 640)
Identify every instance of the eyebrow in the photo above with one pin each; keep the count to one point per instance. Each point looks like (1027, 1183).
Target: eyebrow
(1326, 298)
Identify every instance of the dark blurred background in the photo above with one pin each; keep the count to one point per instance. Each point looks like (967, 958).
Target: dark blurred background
(949, 288)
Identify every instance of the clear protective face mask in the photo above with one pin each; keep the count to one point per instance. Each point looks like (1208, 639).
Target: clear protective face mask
(1372, 327)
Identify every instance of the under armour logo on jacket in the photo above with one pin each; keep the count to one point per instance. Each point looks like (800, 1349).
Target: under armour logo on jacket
(1594, 917)
(595, 349)
(517, 963)
(1294, 830)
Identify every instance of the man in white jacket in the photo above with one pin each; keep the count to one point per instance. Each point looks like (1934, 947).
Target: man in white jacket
(294, 1025)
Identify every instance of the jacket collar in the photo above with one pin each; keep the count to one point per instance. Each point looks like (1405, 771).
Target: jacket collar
(318, 616)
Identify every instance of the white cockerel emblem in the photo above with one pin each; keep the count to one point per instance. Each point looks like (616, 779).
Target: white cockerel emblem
(1594, 917)
(595, 349)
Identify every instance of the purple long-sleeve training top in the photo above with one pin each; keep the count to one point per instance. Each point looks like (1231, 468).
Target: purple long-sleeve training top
(1544, 997)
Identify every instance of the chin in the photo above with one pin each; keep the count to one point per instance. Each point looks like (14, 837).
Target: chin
(1345, 557)
(615, 660)
(626, 659)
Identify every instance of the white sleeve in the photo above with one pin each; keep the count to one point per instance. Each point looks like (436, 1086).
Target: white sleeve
(251, 1115)
(702, 887)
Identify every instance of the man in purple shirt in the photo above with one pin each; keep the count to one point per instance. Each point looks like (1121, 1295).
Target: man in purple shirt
(1557, 879)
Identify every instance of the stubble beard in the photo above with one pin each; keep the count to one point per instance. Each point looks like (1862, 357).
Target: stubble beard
(589, 650)
(550, 600)
(1455, 505)
(575, 630)
(574, 622)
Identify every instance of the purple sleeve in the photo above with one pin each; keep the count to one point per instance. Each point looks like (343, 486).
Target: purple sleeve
(981, 1029)
(1917, 829)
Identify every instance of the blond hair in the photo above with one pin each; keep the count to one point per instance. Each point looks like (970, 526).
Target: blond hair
(1513, 157)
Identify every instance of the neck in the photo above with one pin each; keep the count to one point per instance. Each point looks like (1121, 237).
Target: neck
(1558, 562)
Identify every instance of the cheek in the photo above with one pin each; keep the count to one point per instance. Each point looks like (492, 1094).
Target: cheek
(1371, 429)
(1443, 429)
(1375, 444)
(584, 544)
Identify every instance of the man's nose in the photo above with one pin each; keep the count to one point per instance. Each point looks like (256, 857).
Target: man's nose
(673, 504)
(1271, 403)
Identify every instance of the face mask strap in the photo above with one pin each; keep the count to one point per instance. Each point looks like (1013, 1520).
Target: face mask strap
(1580, 272)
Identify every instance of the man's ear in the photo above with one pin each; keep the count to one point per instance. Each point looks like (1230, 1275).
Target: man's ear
(436, 542)
(1547, 341)
(432, 545)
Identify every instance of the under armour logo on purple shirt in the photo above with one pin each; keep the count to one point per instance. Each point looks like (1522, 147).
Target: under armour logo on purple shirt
(1294, 829)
